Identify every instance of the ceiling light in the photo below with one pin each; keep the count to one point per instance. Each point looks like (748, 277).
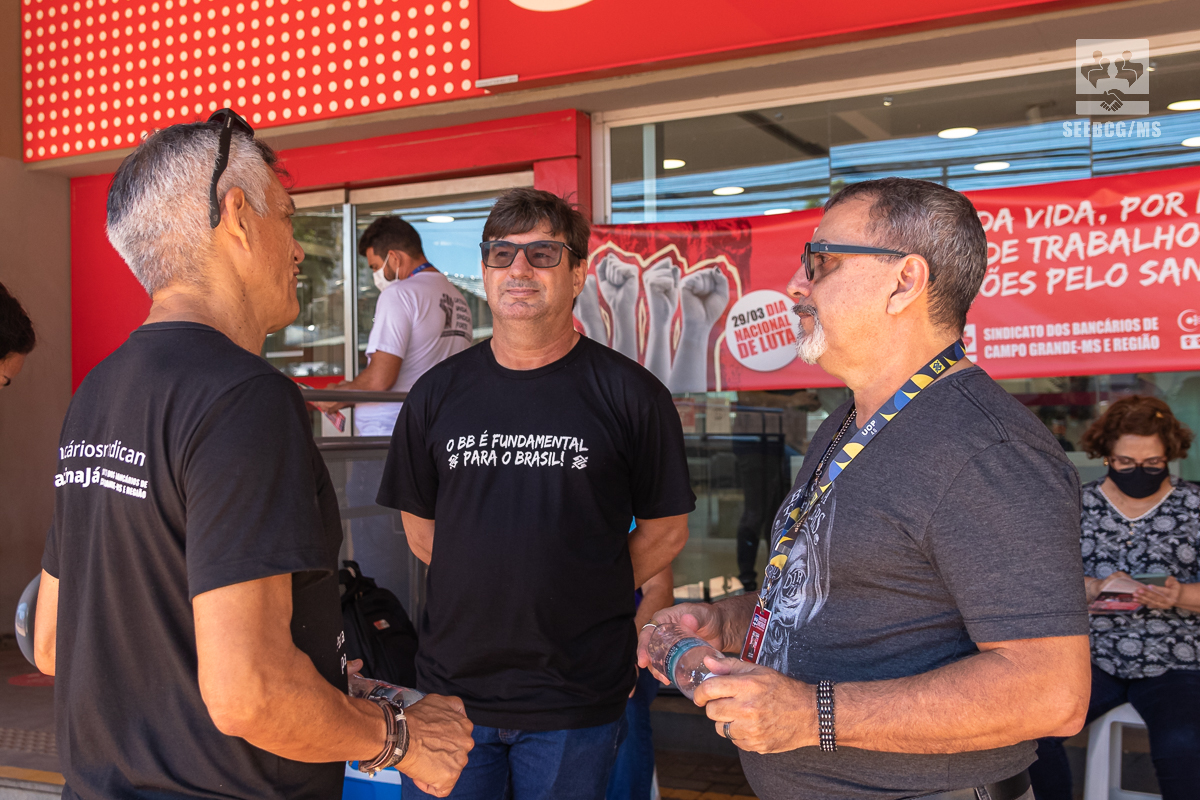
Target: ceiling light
(1184, 105)
(673, 163)
(957, 133)
(725, 191)
(770, 212)
(1153, 66)
(440, 218)
(887, 100)
(1193, 141)
(992, 166)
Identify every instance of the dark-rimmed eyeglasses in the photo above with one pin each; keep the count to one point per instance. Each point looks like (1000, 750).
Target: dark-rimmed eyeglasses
(541, 255)
(1154, 465)
(818, 248)
(229, 120)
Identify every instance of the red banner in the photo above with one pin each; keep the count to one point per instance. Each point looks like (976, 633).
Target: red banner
(1084, 278)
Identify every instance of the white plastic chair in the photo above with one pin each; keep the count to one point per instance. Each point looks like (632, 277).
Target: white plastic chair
(1103, 775)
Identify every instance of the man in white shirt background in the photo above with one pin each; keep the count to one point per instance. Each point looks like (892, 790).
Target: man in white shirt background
(420, 319)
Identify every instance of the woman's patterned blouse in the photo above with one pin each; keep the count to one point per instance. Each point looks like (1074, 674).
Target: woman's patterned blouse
(1146, 642)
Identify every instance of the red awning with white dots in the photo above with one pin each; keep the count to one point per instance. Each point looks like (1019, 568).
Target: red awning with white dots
(99, 74)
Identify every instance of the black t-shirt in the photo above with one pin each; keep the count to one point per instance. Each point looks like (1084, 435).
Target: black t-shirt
(186, 464)
(532, 477)
(958, 524)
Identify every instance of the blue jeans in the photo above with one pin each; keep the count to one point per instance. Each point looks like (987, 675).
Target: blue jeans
(535, 765)
(1170, 705)
(634, 771)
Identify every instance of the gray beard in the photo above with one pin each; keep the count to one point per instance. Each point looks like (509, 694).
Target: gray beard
(810, 346)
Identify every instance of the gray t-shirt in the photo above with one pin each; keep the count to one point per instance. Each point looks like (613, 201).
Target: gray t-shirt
(959, 523)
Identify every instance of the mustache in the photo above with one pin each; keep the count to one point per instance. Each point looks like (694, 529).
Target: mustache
(519, 284)
(805, 308)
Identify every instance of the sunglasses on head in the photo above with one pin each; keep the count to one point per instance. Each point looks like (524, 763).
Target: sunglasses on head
(541, 255)
(818, 248)
(229, 120)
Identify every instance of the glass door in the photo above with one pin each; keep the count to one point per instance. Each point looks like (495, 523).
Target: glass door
(313, 346)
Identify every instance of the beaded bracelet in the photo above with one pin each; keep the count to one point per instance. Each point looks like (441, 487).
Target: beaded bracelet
(825, 728)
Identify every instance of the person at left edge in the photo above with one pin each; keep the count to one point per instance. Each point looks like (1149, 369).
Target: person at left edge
(189, 598)
(16, 337)
(420, 320)
(517, 465)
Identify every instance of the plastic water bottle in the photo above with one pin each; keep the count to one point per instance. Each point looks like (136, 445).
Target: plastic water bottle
(677, 653)
(366, 688)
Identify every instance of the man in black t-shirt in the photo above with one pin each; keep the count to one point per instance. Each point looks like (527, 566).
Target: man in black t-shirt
(189, 600)
(922, 618)
(529, 454)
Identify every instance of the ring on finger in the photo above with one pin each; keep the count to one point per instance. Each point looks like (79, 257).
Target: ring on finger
(726, 733)
(650, 625)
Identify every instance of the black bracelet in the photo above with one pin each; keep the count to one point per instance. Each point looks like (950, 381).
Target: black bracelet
(825, 727)
(395, 745)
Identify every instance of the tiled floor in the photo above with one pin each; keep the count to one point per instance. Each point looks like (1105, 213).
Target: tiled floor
(26, 714)
(700, 776)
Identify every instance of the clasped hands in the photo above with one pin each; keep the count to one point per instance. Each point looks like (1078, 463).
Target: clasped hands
(767, 711)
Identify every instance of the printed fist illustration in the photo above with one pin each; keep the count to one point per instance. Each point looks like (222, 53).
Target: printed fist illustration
(619, 285)
(662, 286)
(662, 293)
(587, 311)
(704, 295)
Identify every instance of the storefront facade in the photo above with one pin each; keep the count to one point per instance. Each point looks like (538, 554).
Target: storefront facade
(706, 127)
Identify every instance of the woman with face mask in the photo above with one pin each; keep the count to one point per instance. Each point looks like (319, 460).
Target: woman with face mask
(1139, 522)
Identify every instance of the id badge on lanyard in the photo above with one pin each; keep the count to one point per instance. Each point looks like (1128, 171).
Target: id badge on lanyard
(821, 481)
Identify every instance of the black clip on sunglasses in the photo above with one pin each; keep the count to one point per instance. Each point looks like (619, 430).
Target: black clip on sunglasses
(500, 254)
(229, 120)
(842, 250)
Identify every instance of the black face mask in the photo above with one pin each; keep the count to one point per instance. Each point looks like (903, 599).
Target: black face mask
(1138, 482)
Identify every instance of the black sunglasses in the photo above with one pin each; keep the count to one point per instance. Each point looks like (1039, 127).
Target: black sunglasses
(840, 249)
(229, 120)
(542, 255)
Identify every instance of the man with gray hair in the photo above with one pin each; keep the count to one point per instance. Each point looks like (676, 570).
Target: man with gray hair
(189, 600)
(921, 619)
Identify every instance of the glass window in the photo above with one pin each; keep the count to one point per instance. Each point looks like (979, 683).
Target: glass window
(790, 158)
(314, 345)
(1069, 405)
(744, 450)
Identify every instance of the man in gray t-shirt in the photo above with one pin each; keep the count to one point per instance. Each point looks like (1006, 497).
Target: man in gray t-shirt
(921, 622)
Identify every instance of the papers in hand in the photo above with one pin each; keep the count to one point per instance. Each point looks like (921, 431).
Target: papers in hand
(1117, 597)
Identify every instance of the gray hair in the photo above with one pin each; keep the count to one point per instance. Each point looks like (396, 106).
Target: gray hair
(158, 201)
(937, 223)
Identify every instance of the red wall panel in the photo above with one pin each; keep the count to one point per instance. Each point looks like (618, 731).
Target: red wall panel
(480, 147)
(596, 36)
(107, 302)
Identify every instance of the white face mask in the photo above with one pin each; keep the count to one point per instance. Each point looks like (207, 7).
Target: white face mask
(382, 282)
